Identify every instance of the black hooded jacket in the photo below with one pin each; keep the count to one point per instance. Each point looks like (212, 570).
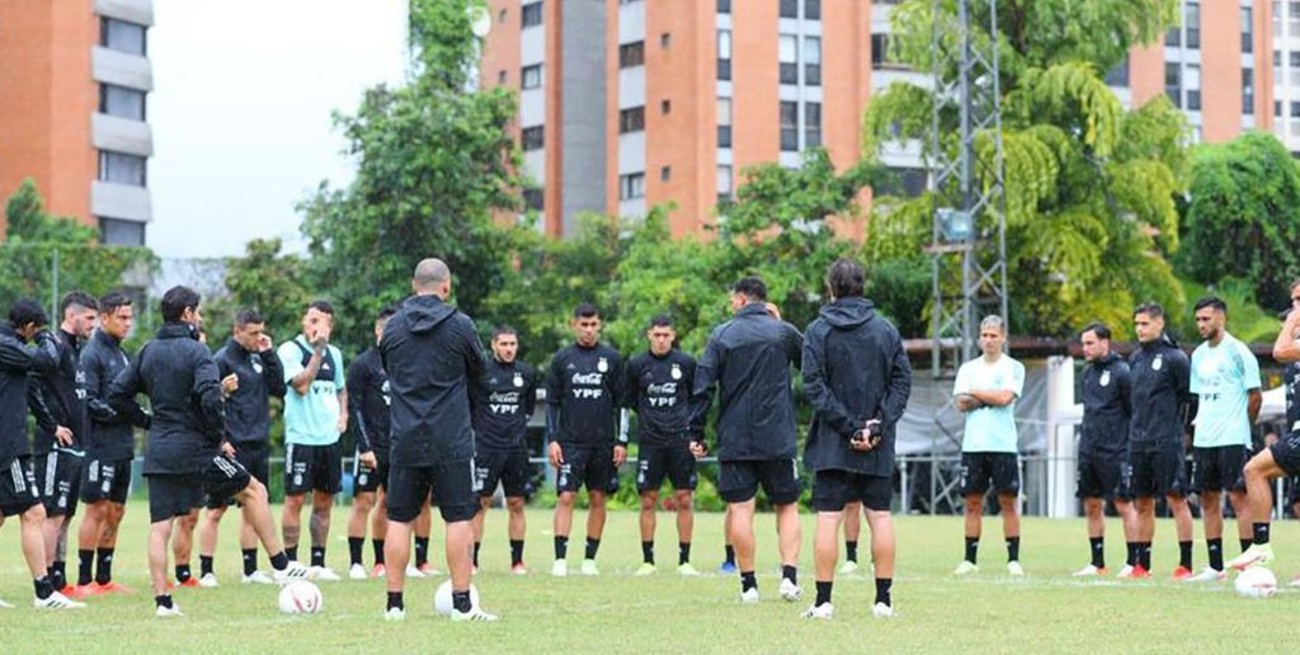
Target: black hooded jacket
(112, 435)
(64, 392)
(1106, 410)
(854, 369)
(1161, 394)
(368, 404)
(248, 410)
(17, 360)
(431, 352)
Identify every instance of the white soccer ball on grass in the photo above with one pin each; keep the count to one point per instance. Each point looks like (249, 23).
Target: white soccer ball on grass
(301, 597)
(1256, 582)
(442, 598)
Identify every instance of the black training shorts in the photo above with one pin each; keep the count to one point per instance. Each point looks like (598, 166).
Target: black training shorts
(173, 495)
(1158, 473)
(1103, 476)
(313, 468)
(509, 468)
(1219, 469)
(979, 470)
(107, 480)
(833, 489)
(590, 466)
(18, 491)
(452, 483)
(366, 480)
(58, 476)
(738, 481)
(658, 462)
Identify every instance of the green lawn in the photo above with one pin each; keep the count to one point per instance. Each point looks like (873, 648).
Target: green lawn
(1047, 612)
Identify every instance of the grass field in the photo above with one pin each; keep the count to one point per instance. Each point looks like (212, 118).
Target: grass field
(1048, 612)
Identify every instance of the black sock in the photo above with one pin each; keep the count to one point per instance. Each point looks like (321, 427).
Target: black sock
(1214, 548)
(1144, 554)
(561, 547)
(1132, 558)
(1013, 549)
(318, 556)
(850, 551)
(57, 574)
(972, 549)
(823, 593)
(1246, 543)
(1185, 554)
(790, 573)
(183, 573)
(164, 600)
(1098, 548)
(421, 551)
(104, 574)
(292, 552)
(279, 561)
(883, 587)
(460, 601)
(477, 546)
(44, 587)
(355, 545)
(1261, 533)
(395, 600)
(748, 581)
(378, 546)
(516, 551)
(731, 554)
(250, 560)
(648, 552)
(205, 564)
(85, 565)
(593, 545)
(683, 553)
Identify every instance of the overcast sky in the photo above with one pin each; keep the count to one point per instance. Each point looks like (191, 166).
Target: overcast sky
(241, 111)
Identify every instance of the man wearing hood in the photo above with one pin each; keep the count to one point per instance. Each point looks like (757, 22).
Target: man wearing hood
(1103, 469)
(431, 352)
(858, 379)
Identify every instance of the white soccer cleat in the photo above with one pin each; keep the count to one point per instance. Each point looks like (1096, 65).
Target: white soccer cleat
(1256, 554)
(324, 573)
(168, 612)
(474, 614)
(560, 568)
(882, 611)
(966, 567)
(849, 567)
(645, 569)
(412, 572)
(256, 577)
(789, 590)
(1126, 572)
(685, 569)
(1089, 571)
(1015, 570)
(824, 612)
(589, 567)
(358, 572)
(209, 581)
(749, 596)
(57, 601)
(395, 614)
(294, 571)
(1209, 574)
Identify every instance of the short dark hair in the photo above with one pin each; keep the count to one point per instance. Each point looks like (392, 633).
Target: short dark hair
(247, 316)
(586, 310)
(502, 330)
(1213, 302)
(751, 287)
(27, 312)
(1151, 309)
(386, 312)
(80, 298)
(322, 306)
(176, 300)
(109, 302)
(663, 320)
(1098, 329)
(846, 278)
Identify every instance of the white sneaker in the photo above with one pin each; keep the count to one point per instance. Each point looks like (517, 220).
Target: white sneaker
(358, 572)
(1089, 571)
(1256, 554)
(882, 611)
(57, 601)
(849, 567)
(6, 606)
(324, 573)
(1126, 572)
(966, 567)
(1209, 574)
(1015, 570)
(256, 577)
(749, 596)
(560, 568)
(412, 572)
(294, 571)
(395, 614)
(824, 611)
(589, 567)
(166, 612)
(474, 614)
(209, 581)
(789, 590)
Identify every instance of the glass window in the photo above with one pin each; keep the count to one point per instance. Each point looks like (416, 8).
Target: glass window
(532, 14)
(530, 77)
(789, 8)
(724, 180)
(631, 186)
(631, 54)
(789, 126)
(1174, 83)
(120, 232)
(532, 138)
(121, 168)
(534, 199)
(1118, 76)
(122, 36)
(1247, 91)
(1192, 83)
(812, 9)
(724, 122)
(1247, 30)
(724, 54)
(812, 124)
(121, 102)
(812, 61)
(631, 120)
(879, 50)
(665, 173)
(788, 53)
(1192, 24)
(724, 6)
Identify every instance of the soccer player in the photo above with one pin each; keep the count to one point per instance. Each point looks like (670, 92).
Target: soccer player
(1160, 399)
(659, 387)
(18, 493)
(986, 390)
(187, 454)
(748, 361)
(112, 448)
(1225, 379)
(315, 415)
(858, 379)
(582, 414)
(1103, 469)
(250, 374)
(61, 454)
(432, 353)
(503, 400)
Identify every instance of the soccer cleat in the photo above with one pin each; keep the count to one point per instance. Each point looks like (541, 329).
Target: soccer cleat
(1182, 573)
(1210, 574)
(645, 569)
(1139, 572)
(428, 570)
(324, 573)
(727, 568)
(849, 567)
(589, 567)
(395, 614)
(6, 606)
(209, 581)
(167, 612)
(474, 614)
(294, 571)
(882, 611)
(560, 568)
(1091, 571)
(57, 601)
(77, 592)
(111, 587)
(966, 567)
(1015, 570)
(687, 570)
(357, 572)
(1256, 554)
(412, 572)
(191, 583)
(379, 571)
(749, 596)
(1126, 572)
(824, 612)
(519, 569)
(789, 590)
(256, 577)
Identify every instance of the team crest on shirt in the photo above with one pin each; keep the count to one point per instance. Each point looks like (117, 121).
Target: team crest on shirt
(1159, 363)
(519, 380)
(602, 365)
(256, 362)
(1105, 379)
(676, 372)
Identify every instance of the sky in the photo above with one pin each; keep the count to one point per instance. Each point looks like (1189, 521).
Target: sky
(241, 111)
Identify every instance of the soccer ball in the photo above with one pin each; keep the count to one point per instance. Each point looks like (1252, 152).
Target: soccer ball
(1256, 582)
(301, 597)
(442, 599)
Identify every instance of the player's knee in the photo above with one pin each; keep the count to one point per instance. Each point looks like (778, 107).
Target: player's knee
(34, 514)
(596, 500)
(565, 500)
(1007, 502)
(515, 504)
(684, 500)
(649, 499)
(974, 504)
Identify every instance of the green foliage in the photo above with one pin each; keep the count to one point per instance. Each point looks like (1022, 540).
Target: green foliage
(1246, 319)
(27, 221)
(273, 283)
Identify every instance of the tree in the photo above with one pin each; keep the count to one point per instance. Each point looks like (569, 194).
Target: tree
(272, 283)
(1246, 193)
(26, 220)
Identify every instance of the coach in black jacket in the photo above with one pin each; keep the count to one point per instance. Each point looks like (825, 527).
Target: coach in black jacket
(857, 377)
(749, 359)
(431, 352)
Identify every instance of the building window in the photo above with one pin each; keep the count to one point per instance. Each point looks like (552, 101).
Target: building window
(121, 102)
(1277, 108)
(1192, 24)
(789, 8)
(121, 36)
(1174, 37)
(631, 119)
(532, 14)
(666, 40)
(724, 122)
(501, 17)
(120, 232)
(1247, 91)
(1174, 83)
(812, 9)
(631, 186)
(501, 77)
(724, 182)
(789, 126)
(724, 6)
(879, 50)
(910, 182)
(1295, 109)
(1118, 76)
(665, 173)
(530, 77)
(631, 54)
(812, 61)
(1247, 30)
(121, 168)
(532, 138)
(724, 54)
(1192, 84)
(812, 124)
(788, 52)
(665, 107)
(534, 199)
